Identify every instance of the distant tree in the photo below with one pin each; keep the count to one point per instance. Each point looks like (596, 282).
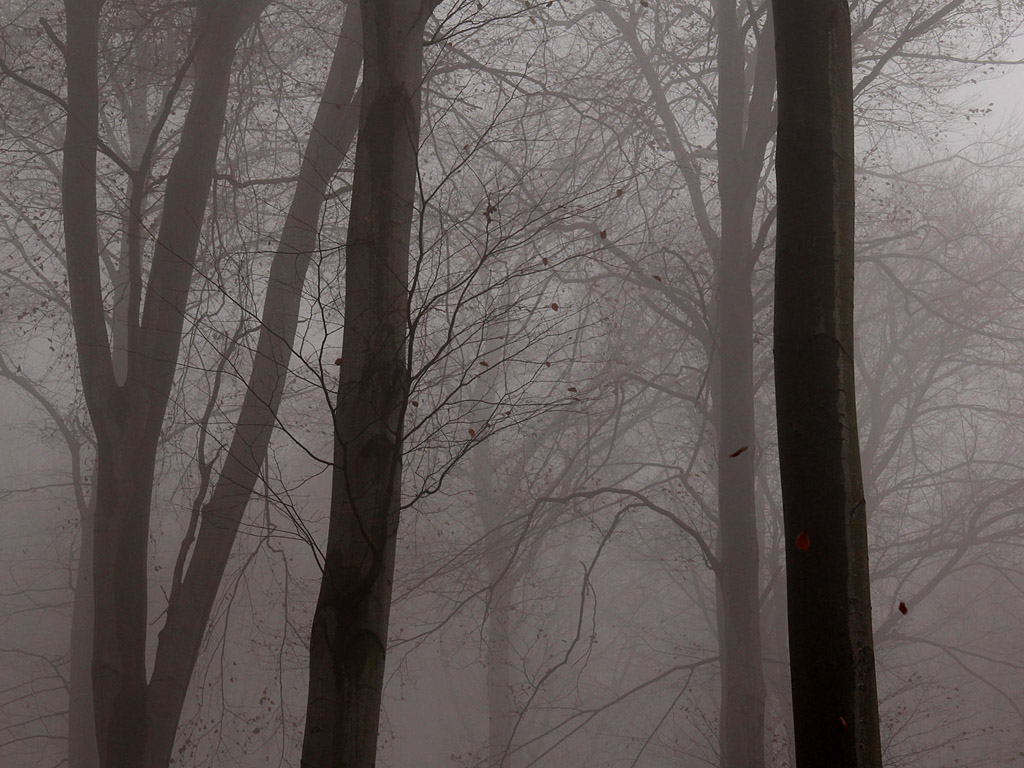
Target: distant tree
(835, 708)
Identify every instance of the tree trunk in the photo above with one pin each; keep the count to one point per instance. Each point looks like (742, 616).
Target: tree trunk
(82, 751)
(192, 600)
(501, 716)
(835, 706)
(740, 160)
(494, 514)
(349, 634)
(127, 417)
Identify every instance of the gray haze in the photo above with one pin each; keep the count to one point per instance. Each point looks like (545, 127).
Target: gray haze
(530, 306)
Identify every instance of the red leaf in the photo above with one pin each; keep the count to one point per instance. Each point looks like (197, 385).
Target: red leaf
(842, 722)
(618, 193)
(472, 433)
(484, 363)
(903, 608)
(554, 305)
(604, 233)
(415, 403)
(803, 541)
(738, 451)
(573, 389)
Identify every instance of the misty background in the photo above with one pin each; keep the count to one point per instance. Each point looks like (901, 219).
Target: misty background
(554, 601)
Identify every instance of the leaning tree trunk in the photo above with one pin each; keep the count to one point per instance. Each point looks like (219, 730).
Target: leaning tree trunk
(349, 634)
(835, 707)
(195, 589)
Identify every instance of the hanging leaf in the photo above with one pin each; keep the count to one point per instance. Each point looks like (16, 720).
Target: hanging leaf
(903, 608)
(803, 541)
(738, 451)
(554, 305)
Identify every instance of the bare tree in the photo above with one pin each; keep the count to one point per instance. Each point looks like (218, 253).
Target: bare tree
(349, 635)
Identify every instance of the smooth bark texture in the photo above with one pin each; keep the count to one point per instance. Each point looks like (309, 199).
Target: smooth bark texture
(835, 706)
(127, 417)
(349, 634)
(135, 720)
(82, 752)
(192, 599)
(744, 126)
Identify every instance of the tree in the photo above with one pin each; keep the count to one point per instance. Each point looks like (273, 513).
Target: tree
(136, 719)
(835, 708)
(349, 635)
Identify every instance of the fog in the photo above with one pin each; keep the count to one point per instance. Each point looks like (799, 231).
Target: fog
(413, 383)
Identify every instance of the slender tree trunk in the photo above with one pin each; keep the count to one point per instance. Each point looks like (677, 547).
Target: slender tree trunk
(121, 529)
(192, 599)
(349, 634)
(82, 751)
(493, 514)
(501, 716)
(742, 133)
(135, 723)
(835, 706)
(127, 417)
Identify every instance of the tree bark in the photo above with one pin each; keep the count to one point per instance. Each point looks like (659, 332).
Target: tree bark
(743, 130)
(127, 417)
(835, 706)
(82, 752)
(192, 600)
(494, 514)
(349, 634)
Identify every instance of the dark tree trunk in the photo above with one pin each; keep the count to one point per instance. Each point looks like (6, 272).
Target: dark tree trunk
(349, 635)
(127, 418)
(835, 706)
(136, 721)
(743, 130)
(81, 718)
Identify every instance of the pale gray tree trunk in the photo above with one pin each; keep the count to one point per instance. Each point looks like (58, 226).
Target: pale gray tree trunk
(744, 128)
(493, 513)
(835, 709)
